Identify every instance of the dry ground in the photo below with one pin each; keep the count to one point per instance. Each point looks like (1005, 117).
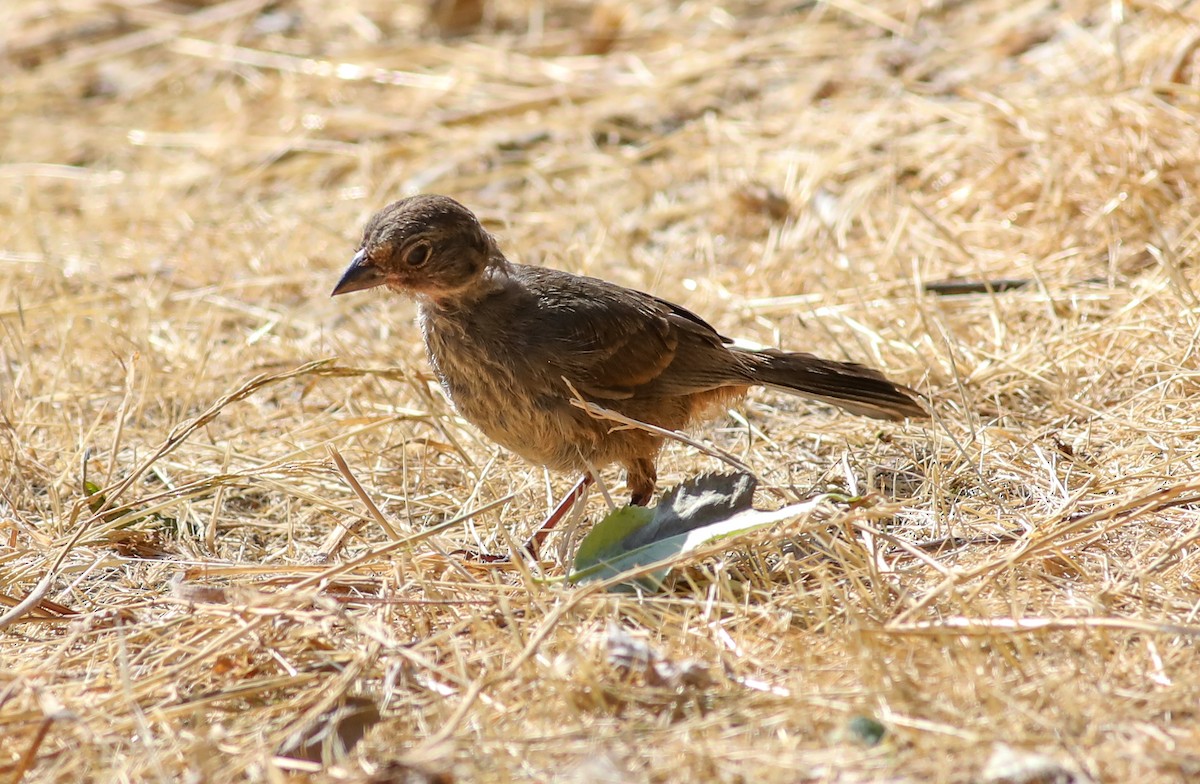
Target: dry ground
(182, 182)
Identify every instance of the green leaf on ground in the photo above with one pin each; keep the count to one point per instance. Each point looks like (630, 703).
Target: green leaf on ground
(709, 507)
(866, 730)
(95, 498)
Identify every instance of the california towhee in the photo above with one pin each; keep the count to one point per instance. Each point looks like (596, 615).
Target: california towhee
(510, 342)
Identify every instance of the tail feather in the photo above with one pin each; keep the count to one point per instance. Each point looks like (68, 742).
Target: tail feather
(853, 387)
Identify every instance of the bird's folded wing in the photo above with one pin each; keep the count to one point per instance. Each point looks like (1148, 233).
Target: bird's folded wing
(616, 344)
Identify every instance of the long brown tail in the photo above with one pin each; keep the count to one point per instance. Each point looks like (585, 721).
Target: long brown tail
(858, 389)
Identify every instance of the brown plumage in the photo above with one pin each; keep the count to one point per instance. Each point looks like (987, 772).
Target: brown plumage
(508, 342)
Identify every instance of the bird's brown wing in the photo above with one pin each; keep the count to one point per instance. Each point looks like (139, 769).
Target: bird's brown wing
(615, 343)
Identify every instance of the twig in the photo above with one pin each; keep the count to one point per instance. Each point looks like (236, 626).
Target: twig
(360, 492)
(954, 288)
(599, 412)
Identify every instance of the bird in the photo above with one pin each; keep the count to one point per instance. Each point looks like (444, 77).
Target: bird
(514, 344)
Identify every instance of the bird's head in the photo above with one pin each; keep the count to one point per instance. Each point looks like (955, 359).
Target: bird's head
(427, 244)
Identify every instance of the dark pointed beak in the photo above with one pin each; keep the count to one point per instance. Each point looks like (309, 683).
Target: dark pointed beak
(359, 276)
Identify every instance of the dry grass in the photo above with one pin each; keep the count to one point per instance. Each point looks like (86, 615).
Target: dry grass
(181, 184)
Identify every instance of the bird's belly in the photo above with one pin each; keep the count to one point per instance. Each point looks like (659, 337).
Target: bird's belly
(511, 420)
(508, 403)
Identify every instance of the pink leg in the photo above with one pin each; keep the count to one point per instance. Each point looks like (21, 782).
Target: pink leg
(558, 513)
(554, 518)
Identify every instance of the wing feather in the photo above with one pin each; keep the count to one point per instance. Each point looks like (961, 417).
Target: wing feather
(616, 344)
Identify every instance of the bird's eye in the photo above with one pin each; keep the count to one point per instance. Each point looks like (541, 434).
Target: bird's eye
(418, 255)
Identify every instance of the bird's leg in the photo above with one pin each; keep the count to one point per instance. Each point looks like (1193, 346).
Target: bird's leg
(558, 513)
(641, 476)
(555, 517)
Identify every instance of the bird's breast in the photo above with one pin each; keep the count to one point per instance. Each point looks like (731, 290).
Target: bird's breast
(492, 384)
